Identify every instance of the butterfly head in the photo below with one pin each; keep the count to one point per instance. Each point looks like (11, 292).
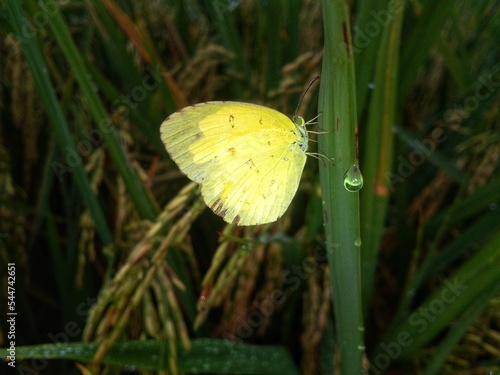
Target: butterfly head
(303, 140)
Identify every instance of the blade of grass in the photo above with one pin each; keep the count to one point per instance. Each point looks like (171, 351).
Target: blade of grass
(224, 20)
(292, 10)
(420, 40)
(206, 356)
(143, 44)
(469, 206)
(337, 106)
(119, 62)
(47, 182)
(379, 144)
(468, 285)
(143, 202)
(436, 157)
(435, 263)
(136, 116)
(365, 46)
(273, 11)
(459, 329)
(38, 69)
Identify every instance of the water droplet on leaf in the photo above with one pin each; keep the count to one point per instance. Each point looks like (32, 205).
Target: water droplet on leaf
(353, 179)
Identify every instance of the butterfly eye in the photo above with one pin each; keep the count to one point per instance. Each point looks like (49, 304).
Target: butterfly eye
(298, 120)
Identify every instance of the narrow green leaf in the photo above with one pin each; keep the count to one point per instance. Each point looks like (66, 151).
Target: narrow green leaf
(470, 284)
(47, 94)
(337, 105)
(423, 36)
(458, 330)
(135, 188)
(206, 356)
(378, 147)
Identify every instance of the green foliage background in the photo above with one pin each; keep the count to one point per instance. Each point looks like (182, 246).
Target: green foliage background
(115, 252)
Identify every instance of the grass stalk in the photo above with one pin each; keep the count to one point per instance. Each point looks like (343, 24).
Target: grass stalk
(474, 283)
(38, 68)
(135, 188)
(337, 106)
(423, 35)
(225, 357)
(378, 147)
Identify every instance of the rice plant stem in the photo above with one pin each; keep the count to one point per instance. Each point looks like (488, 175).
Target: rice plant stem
(337, 106)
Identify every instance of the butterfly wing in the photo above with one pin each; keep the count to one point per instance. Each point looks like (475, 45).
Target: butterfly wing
(247, 158)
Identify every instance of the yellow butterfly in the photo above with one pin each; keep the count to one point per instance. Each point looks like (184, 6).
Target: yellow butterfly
(247, 158)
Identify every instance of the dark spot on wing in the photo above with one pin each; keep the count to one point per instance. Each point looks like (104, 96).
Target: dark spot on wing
(232, 151)
(231, 121)
(252, 165)
(236, 219)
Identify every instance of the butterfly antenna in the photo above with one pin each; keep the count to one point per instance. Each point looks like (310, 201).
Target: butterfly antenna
(314, 79)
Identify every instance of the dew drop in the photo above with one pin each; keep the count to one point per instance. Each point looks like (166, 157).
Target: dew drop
(371, 85)
(357, 242)
(353, 179)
